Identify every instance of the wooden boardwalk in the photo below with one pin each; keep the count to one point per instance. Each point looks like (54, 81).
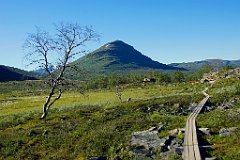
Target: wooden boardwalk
(191, 148)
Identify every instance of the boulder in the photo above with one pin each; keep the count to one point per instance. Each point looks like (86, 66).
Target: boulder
(227, 132)
(148, 138)
(147, 143)
(173, 132)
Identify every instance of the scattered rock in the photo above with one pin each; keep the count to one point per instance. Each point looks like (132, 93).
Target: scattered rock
(153, 107)
(147, 143)
(148, 138)
(32, 133)
(174, 132)
(227, 132)
(209, 108)
(205, 131)
(229, 104)
(178, 150)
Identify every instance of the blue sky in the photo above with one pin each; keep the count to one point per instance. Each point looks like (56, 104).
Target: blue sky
(165, 30)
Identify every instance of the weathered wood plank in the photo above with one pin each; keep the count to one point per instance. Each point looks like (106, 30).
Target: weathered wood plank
(191, 148)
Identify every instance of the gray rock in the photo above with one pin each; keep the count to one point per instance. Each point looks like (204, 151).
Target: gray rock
(147, 143)
(176, 142)
(227, 132)
(209, 108)
(178, 150)
(146, 138)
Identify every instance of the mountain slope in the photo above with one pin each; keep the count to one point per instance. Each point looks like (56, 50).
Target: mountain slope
(14, 74)
(217, 64)
(118, 56)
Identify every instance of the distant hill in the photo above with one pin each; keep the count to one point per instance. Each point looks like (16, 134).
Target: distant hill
(42, 71)
(14, 74)
(118, 56)
(217, 64)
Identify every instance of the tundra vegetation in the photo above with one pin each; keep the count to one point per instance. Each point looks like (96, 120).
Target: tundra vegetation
(96, 123)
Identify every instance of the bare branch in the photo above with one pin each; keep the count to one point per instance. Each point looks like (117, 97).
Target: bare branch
(66, 43)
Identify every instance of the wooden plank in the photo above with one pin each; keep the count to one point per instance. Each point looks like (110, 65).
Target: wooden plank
(191, 148)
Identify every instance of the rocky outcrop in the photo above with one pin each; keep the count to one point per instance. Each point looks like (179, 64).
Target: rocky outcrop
(147, 143)
(227, 132)
(228, 104)
(148, 138)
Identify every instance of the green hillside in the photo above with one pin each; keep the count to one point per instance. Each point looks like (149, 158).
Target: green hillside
(118, 56)
(14, 74)
(216, 64)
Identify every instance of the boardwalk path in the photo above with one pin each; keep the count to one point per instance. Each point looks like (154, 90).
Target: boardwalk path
(191, 148)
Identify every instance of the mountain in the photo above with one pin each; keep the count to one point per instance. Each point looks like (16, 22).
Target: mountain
(14, 74)
(118, 56)
(42, 71)
(216, 64)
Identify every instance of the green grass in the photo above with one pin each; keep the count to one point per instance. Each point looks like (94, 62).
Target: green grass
(24, 101)
(97, 123)
(92, 124)
(80, 131)
(224, 148)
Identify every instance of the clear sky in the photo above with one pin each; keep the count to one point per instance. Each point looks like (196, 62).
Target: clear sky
(165, 30)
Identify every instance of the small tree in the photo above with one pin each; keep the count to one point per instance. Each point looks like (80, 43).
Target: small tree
(119, 92)
(46, 51)
(179, 76)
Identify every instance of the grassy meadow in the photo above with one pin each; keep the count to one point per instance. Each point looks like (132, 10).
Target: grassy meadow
(95, 122)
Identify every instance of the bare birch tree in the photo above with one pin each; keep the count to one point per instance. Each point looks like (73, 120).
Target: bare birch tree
(58, 50)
